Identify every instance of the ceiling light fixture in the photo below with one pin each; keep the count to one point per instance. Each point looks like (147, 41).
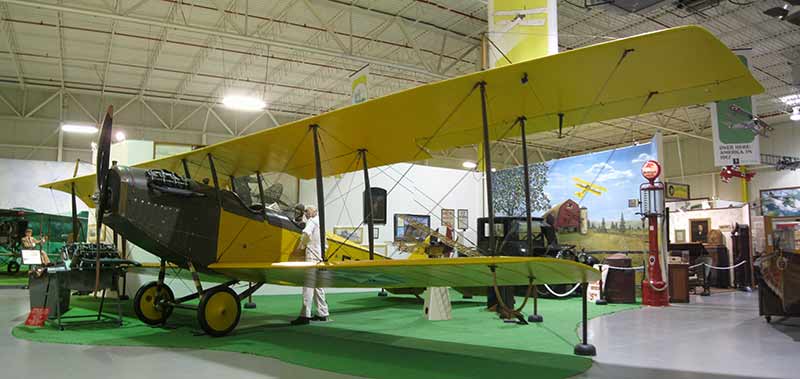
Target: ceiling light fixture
(76, 128)
(795, 114)
(120, 136)
(469, 165)
(244, 103)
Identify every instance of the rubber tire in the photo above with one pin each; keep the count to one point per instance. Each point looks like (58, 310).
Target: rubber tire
(768, 318)
(140, 296)
(13, 267)
(203, 307)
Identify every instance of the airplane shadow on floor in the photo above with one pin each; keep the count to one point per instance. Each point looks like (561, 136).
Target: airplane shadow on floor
(348, 351)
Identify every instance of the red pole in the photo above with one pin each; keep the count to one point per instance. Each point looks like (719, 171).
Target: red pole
(654, 290)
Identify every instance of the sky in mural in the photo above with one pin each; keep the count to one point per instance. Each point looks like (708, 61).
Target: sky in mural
(618, 171)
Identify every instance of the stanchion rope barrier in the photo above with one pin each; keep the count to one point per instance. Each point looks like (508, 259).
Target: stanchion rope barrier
(717, 267)
(637, 268)
(554, 293)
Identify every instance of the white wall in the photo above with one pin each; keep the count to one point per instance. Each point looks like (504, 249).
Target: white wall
(20, 180)
(131, 152)
(418, 193)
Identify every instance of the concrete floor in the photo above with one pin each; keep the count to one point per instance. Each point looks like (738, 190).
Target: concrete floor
(718, 337)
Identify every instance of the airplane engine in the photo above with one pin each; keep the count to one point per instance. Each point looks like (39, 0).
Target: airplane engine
(168, 215)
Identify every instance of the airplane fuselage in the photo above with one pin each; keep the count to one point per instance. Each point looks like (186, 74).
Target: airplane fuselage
(182, 220)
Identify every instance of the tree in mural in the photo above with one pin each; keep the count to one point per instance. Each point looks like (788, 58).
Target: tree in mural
(622, 222)
(603, 225)
(509, 190)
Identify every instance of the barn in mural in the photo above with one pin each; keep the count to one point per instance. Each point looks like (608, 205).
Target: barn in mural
(565, 217)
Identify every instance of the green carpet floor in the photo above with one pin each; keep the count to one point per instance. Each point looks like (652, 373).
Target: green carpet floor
(368, 336)
(16, 280)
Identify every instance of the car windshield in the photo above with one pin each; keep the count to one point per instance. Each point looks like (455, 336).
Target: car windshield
(522, 229)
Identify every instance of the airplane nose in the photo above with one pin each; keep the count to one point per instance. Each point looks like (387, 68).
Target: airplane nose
(113, 187)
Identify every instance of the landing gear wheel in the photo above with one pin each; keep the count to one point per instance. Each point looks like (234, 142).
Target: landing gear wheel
(768, 318)
(150, 307)
(13, 267)
(219, 311)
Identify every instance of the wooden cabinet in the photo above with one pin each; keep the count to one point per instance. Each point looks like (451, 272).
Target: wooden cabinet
(620, 284)
(678, 283)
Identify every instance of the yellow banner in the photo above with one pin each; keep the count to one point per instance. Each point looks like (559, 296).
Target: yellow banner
(521, 30)
(358, 86)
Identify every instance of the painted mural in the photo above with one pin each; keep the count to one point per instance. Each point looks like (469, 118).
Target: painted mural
(586, 198)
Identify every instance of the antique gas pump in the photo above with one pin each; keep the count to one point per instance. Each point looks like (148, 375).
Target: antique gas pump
(651, 203)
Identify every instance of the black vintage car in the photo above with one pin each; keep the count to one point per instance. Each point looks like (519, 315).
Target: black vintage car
(511, 237)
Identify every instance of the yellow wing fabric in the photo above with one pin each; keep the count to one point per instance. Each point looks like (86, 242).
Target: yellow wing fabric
(660, 70)
(452, 272)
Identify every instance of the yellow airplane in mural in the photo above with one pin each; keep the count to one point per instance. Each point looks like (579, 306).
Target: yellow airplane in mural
(587, 187)
(185, 210)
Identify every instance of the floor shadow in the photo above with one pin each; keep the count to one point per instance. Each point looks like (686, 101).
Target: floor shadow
(342, 350)
(790, 326)
(372, 354)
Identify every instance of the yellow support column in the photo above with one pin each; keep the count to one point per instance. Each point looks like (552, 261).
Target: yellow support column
(745, 197)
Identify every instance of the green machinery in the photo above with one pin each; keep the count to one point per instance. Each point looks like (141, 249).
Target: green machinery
(56, 228)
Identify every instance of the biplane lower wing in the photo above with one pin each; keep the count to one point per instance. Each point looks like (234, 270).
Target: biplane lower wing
(452, 272)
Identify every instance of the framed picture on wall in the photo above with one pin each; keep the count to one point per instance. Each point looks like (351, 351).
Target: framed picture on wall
(405, 233)
(699, 229)
(351, 233)
(449, 217)
(680, 235)
(463, 219)
(780, 202)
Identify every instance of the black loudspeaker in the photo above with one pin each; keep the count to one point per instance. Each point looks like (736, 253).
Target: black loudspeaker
(378, 206)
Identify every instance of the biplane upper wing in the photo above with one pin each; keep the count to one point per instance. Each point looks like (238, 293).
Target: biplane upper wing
(445, 272)
(640, 74)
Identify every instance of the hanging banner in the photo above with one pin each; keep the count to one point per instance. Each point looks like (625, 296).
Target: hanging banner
(520, 30)
(358, 85)
(735, 128)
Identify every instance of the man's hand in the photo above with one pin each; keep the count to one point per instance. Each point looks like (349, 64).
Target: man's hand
(298, 254)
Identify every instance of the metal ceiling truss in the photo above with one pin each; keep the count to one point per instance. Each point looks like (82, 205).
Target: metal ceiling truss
(299, 54)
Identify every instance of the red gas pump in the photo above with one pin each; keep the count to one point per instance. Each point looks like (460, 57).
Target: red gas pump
(651, 197)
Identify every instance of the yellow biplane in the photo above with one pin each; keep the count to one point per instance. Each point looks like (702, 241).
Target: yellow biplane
(587, 187)
(183, 208)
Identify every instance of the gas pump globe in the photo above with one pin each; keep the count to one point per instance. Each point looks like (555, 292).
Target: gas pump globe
(651, 206)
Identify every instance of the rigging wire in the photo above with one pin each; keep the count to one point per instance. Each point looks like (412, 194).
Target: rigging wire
(599, 93)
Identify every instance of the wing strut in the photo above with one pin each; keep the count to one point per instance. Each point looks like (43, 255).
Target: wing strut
(535, 317)
(215, 178)
(261, 194)
(487, 165)
(368, 216)
(320, 194)
(186, 169)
